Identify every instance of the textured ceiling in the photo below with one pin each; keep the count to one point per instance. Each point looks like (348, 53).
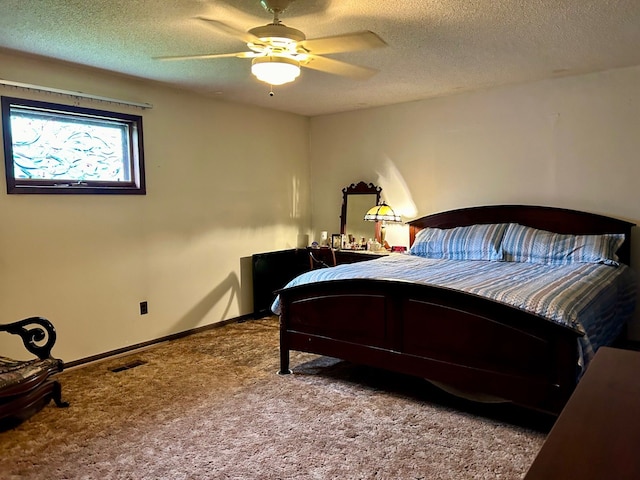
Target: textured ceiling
(435, 47)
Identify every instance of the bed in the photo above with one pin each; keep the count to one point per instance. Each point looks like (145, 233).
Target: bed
(469, 343)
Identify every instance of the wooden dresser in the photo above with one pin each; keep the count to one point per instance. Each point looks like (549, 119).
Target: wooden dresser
(597, 435)
(272, 270)
(354, 256)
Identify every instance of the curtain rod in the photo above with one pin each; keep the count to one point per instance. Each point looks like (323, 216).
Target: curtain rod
(71, 93)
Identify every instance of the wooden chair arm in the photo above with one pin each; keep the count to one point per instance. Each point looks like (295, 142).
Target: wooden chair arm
(37, 333)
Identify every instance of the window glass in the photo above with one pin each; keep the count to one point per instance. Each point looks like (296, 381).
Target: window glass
(52, 148)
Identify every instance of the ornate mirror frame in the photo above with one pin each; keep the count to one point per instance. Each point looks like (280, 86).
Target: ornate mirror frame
(361, 188)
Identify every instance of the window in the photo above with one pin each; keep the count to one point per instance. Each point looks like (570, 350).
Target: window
(50, 148)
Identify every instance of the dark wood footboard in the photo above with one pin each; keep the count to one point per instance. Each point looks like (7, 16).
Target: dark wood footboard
(467, 342)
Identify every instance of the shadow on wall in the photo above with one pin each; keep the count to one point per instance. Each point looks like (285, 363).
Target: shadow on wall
(395, 188)
(229, 287)
(397, 194)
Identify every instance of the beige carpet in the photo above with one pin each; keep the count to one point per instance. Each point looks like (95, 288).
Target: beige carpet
(210, 406)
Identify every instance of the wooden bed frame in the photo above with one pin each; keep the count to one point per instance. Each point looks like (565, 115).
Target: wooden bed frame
(469, 343)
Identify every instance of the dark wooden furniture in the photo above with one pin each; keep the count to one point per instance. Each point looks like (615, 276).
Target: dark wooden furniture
(597, 435)
(27, 386)
(326, 257)
(351, 256)
(271, 271)
(321, 257)
(470, 343)
(360, 188)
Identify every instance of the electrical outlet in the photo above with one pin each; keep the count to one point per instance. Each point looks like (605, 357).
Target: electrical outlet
(143, 308)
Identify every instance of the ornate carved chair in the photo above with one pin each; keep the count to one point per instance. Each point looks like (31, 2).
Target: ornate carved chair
(27, 385)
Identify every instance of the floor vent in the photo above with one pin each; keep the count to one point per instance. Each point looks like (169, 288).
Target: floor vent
(127, 366)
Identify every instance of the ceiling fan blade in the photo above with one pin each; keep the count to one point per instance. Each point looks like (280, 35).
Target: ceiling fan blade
(349, 42)
(336, 67)
(246, 37)
(209, 55)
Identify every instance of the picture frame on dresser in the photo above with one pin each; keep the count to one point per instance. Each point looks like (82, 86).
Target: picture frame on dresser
(336, 241)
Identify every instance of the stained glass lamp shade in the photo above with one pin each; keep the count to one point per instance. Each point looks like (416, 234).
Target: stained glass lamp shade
(382, 213)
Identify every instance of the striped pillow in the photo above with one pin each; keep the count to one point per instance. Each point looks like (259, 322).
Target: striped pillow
(475, 242)
(528, 244)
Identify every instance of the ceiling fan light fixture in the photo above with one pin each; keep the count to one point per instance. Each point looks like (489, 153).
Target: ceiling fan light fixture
(275, 70)
(278, 31)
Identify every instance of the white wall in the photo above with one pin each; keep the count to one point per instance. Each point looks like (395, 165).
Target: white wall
(570, 142)
(218, 190)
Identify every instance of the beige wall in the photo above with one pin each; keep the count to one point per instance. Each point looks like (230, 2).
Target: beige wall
(86, 262)
(218, 190)
(572, 142)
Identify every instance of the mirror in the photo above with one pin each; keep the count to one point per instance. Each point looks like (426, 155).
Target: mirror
(356, 200)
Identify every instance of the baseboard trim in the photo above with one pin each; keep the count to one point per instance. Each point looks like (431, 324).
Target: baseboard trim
(139, 346)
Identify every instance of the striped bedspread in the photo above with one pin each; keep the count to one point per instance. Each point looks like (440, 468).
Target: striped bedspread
(596, 299)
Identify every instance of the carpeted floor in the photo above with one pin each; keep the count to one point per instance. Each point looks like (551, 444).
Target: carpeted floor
(210, 406)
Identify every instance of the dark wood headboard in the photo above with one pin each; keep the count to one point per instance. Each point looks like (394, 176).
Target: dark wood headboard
(558, 220)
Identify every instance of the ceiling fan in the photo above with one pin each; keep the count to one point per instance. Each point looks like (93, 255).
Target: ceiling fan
(279, 51)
